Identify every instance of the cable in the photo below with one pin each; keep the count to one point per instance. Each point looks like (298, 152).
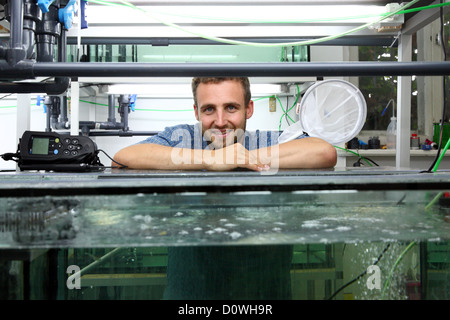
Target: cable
(357, 154)
(6, 95)
(293, 105)
(387, 105)
(296, 98)
(10, 157)
(358, 163)
(361, 275)
(285, 113)
(122, 166)
(399, 259)
(372, 161)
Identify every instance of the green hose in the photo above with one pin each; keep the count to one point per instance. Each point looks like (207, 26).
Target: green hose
(441, 156)
(400, 258)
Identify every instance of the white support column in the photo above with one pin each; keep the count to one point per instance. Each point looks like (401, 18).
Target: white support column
(74, 108)
(22, 116)
(402, 159)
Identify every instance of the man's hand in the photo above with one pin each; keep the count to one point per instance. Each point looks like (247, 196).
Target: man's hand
(232, 157)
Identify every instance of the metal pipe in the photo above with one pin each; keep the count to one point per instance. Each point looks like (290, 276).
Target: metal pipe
(16, 21)
(239, 69)
(111, 108)
(26, 69)
(48, 121)
(100, 125)
(124, 109)
(62, 46)
(20, 71)
(15, 67)
(47, 34)
(57, 107)
(59, 86)
(64, 118)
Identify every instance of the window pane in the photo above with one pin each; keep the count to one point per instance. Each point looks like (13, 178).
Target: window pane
(378, 91)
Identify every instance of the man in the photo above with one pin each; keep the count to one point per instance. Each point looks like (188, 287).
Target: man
(222, 107)
(220, 142)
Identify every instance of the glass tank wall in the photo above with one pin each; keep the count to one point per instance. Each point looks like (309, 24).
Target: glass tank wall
(318, 244)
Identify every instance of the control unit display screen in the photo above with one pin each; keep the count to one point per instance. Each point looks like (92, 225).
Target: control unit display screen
(53, 147)
(53, 151)
(40, 146)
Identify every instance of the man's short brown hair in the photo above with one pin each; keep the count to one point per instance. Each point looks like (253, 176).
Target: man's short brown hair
(243, 80)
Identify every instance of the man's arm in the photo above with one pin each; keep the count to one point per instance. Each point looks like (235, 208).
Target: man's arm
(147, 156)
(305, 153)
(154, 156)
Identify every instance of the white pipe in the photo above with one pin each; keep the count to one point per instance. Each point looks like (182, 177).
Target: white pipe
(22, 115)
(74, 108)
(402, 159)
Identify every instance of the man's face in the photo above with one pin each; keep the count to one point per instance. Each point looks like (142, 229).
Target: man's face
(222, 112)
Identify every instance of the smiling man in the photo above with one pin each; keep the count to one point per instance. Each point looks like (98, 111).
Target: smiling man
(223, 110)
(220, 142)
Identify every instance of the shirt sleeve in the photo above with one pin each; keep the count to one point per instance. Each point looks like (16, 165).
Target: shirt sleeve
(261, 139)
(177, 136)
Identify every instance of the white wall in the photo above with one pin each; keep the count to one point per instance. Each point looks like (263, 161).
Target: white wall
(8, 125)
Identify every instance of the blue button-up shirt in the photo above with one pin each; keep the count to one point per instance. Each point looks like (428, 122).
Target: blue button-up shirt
(190, 137)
